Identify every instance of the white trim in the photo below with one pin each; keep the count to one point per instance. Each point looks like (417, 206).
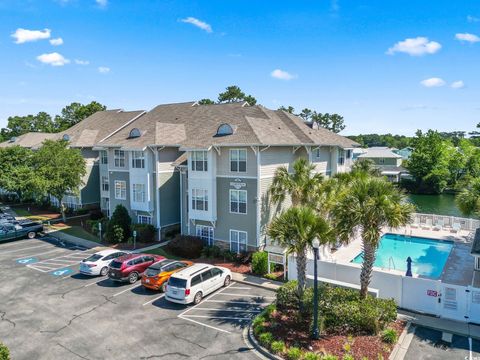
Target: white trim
(238, 243)
(236, 177)
(115, 189)
(259, 219)
(157, 192)
(230, 200)
(119, 170)
(238, 161)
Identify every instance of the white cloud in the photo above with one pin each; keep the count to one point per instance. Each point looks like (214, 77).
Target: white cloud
(54, 59)
(23, 35)
(457, 84)
(415, 47)
(82, 62)
(471, 38)
(198, 23)
(103, 70)
(433, 82)
(282, 75)
(56, 42)
(472, 19)
(102, 3)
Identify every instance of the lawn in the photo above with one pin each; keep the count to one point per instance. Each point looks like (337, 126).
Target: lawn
(22, 212)
(81, 233)
(161, 251)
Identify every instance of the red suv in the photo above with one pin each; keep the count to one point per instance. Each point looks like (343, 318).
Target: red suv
(129, 268)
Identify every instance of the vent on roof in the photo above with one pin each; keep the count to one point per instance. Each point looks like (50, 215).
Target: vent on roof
(66, 137)
(13, 139)
(134, 133)
(224, 130)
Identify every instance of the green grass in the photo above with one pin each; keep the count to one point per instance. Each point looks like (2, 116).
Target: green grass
(160, 251)
(22, 212)
(81, 233)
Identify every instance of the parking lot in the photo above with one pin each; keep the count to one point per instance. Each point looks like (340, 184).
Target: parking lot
(50, 311)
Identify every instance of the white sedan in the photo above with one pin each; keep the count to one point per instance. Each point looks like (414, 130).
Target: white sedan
(97, 264)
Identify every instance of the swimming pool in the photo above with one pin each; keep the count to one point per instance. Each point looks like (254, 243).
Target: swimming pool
(428, 256)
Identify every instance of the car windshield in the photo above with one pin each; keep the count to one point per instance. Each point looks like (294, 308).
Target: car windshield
(115, 264)
(151, 271)
(178, 283)
(93, 258)
(158, 265)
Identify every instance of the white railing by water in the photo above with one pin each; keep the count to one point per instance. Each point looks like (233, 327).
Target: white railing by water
(445, 221)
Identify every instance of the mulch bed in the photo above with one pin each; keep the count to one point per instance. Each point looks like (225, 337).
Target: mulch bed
(232, 266)
(296, 333)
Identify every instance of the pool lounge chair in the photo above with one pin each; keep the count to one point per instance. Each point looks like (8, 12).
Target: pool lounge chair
(456, 227)
(427, 225)
(439, 225)
(415, 224)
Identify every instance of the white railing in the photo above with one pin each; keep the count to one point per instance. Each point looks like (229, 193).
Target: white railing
(446, 221)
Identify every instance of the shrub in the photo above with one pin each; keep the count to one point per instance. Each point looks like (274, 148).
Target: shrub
(260, 262)
(119, 218)
(287, 296)
(270, 277)
(96, 214)
(4, 352)
(348, 357)
(145, 232)
(118, 234)
(259, 320)
(265, 339)
(269, 310)
(277, 347)
(389, 336)
(329, 357)
(82, 211)
(186, 246)
(311, 356)
(243, 258)
(294, 353)
(257, 330)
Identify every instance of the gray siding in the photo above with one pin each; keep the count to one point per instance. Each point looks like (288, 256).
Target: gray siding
(223, 163)
(169, 198)
(119, 175)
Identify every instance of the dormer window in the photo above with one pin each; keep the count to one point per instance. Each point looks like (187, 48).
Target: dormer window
(134, 133)
(224, 130)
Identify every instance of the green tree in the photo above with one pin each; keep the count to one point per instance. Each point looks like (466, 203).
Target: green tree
(120, 219)
(16, 171)
(300, 185)
(468, 200)
(332, 122)
(19, 125)
(60, 168)
(295, 229)
(306, 114)
(288, 109)
(366, 166)
(206, 102)
(234, 94)
(76, 112)
(370, 204)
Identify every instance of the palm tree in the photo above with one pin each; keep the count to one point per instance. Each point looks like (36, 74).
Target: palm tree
(468, 200)
(300, 184)
(369, 205)
(366, 166)
(295, 229)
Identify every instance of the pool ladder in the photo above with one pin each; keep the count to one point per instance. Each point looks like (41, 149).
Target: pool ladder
(390, 263)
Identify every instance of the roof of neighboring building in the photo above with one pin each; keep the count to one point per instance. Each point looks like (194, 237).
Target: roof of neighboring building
(189, 125)
(476, 243)
(379, 152)
(86, 133)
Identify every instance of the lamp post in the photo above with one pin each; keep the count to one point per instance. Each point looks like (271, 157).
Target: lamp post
(315, 332)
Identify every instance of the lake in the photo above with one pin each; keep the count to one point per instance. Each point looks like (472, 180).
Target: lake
(443, 204)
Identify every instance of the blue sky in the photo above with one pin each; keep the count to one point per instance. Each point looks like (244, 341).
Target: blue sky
(349, 57)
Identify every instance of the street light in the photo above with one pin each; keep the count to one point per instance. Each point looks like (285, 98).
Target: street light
(315, 333)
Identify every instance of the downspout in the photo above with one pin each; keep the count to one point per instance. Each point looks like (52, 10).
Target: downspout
(181, 201)
(259, 180)
(157, 192)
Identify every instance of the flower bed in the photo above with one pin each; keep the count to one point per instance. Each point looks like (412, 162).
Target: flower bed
(351, 328)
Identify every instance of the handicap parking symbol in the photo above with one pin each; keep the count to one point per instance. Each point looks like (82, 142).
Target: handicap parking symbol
(61, 272)
(26, 261)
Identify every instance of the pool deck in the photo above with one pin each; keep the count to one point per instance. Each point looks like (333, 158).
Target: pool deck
(458, 269)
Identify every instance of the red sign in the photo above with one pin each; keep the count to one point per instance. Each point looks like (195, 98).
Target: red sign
(432, 293)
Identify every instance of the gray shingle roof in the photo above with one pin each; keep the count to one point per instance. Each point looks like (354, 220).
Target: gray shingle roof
(189, 125)
(379, 152)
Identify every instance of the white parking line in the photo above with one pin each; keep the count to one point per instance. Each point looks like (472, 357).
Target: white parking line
(238, 302)
(43, 253)
(216, 317)
(151, 301)
(130, 288)
(240, 288)
(208, 326)
(59, 261)
(233, 310)
(252, 296)
(96, 282)
(23, 249)
(17, 243)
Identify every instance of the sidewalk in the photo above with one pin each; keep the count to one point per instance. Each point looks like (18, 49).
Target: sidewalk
(256, 281)
(449, 326)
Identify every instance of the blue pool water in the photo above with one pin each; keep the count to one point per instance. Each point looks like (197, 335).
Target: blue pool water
(428, 256)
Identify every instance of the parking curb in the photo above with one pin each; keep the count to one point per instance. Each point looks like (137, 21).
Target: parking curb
(261, 352)
(404, 341)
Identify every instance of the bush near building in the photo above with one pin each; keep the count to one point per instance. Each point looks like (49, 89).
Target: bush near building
(145, 232)
(260, 263)
(185, 246)
(4, 352)
(120, 218)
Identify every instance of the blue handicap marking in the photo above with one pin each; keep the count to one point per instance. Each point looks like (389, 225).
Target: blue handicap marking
(29, 260)
(61, 272)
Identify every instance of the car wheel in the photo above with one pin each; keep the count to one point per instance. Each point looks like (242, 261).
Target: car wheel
(164, 287)
(133, 277)
(227, 281)
(31, 235)
(104, 271)
(197, 298)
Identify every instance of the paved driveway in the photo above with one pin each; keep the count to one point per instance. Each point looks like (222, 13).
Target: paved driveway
(50, 311)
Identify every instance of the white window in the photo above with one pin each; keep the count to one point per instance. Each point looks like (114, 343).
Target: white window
(103, 157)
(120, 190)
(105, 186)
(238, 160)
(341, 157)
(238, 241)
(119, 158)
(138, 192)
(200, 199)
(138, 159)
(199, 161)
(144, 219)
(205, 233)
(349, 154)
(238, 201)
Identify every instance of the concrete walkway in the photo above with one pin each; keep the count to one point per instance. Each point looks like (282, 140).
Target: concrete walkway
(446, 325)
(256, 281)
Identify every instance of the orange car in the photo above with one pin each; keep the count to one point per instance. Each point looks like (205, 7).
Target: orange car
(156, 276)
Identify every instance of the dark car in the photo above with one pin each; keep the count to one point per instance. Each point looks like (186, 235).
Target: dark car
(129, 268)
(28, 229)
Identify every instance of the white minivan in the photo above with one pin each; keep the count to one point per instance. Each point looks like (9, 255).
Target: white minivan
(193, 283)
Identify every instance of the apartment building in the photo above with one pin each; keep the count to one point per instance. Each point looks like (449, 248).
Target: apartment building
(387, 161)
